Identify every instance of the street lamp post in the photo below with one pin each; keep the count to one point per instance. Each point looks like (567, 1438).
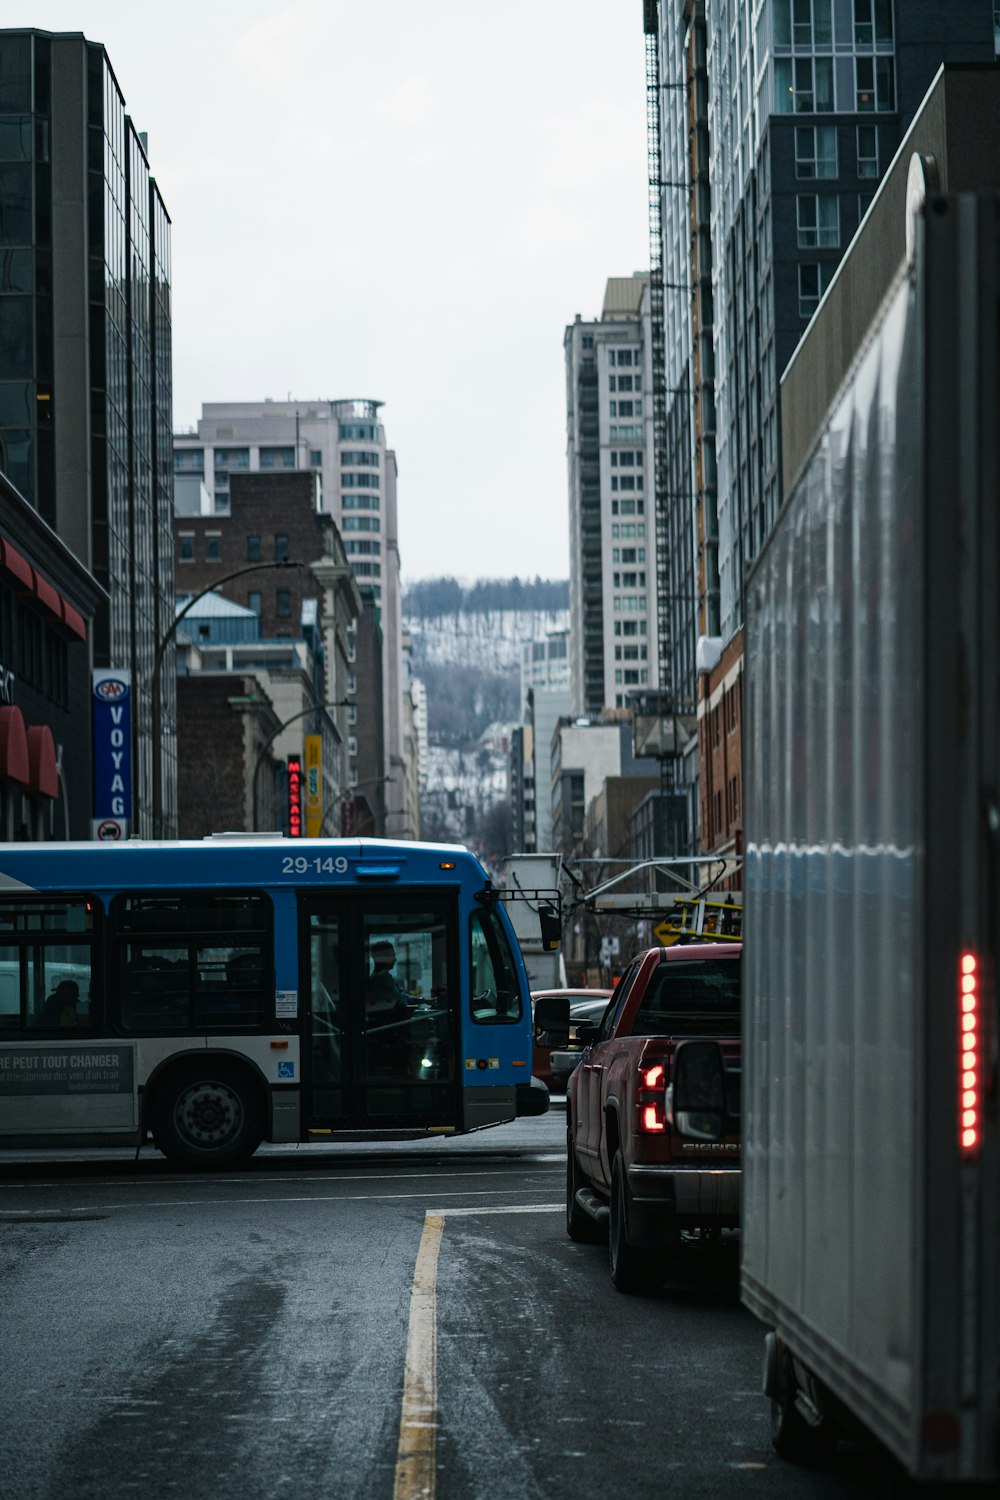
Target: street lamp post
(154, 683)
(312, 709)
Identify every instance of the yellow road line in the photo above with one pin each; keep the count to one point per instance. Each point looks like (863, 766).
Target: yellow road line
(415, 1456)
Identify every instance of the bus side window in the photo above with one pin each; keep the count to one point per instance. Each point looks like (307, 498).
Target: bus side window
(496, 994)
(230, 987)
(154, 991)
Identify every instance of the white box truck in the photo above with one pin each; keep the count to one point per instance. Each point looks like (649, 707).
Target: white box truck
(531, 885)
(871, 1152)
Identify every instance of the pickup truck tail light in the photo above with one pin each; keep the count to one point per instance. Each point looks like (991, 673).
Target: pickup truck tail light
(652, 1099)
(970, 1055)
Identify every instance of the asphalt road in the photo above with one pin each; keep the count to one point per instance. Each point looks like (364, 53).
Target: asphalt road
(259, 1334)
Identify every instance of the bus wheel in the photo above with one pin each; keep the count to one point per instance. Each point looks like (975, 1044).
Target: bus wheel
(206, 1116)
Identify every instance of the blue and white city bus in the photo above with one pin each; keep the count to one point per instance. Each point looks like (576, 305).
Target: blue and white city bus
(244, 988)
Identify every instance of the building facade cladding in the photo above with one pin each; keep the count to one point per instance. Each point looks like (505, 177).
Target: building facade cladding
(807, 104)
(583, 471)
(272, 516)
(371, 783)
(583, 756)
(47, 601)
(85, 388)
(343, 444)
(686, 526)
(522, 788)
(720, 729)
(613, 594)
(215, 791)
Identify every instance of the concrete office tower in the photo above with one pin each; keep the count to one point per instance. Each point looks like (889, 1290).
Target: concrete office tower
(808, 100)
(545, 699)
(343, 442)
(609, 436)
(85, 361)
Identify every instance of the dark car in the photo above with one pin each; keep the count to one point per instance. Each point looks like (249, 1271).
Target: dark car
(584, 1005)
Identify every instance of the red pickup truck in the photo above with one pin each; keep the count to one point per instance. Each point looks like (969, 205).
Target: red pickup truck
(629, 1173)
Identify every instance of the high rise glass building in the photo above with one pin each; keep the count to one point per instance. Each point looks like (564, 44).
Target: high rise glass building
(777, 120)
(609, 444)
(85, 353)
(808, 101)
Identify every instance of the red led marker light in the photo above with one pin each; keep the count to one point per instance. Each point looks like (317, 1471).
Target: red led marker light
(968, 1092)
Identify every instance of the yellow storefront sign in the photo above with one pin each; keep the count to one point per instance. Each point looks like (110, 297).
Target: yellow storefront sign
(314, 785)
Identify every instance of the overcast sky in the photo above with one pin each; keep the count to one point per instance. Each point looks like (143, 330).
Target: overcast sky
(399, 199)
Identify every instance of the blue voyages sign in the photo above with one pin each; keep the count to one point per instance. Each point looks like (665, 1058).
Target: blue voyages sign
(112, 704)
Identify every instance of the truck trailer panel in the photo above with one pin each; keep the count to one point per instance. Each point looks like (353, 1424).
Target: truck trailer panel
(872, 773)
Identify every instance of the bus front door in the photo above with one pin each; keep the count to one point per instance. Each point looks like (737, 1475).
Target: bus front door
(383, 1042)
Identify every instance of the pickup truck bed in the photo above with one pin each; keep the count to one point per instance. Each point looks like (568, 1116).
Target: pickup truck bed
(628, 1173)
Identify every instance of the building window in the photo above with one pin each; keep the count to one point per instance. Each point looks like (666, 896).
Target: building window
(802, 24)
(363, 459)
(359, 481)
(189, 460)
(315, 458)
(255, 601)
(872, 23)
(818, 219)
(281, 547)
(813, 280)
(815, 151)
(359, 502)
(231, 458)
(283, 604)
(186, 541)
(254, 553)
(213, 546)
(277, 458)
(867, 151)
(803, 85)
(875, 84)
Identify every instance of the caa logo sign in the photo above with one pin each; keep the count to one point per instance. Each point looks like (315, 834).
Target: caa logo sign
(112, 731)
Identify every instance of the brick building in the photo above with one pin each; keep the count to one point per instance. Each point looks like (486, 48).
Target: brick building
(720, 750)
(215, 791)
(273, 518)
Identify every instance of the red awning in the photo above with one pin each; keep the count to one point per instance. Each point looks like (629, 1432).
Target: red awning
(73, 620)
(43, 776)
(16, 565)
(47, 595)
(13, 745)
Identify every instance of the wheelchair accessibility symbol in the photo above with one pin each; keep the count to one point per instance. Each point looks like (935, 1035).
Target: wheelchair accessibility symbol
(286, 1070)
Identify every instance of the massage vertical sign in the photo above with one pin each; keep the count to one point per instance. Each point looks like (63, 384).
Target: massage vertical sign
(314, 785)
(112, 709)
(295, 796)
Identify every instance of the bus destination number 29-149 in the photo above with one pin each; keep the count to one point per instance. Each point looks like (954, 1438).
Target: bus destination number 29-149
(298, 864)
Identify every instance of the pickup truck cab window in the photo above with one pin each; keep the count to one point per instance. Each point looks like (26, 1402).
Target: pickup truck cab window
(610, 1018)
(702, 996)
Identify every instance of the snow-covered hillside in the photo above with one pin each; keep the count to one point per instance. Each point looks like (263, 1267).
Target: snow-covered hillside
(491, 639)
(469, 657)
